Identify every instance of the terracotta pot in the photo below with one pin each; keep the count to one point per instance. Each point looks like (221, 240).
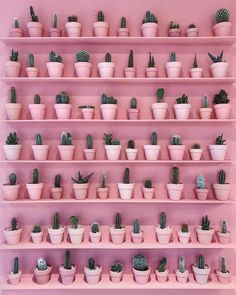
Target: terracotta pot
(93, 276)
(73, 29)
(11, 192)
(218, 152)
(131, 154)
(83, 69)
(223, 29)
(43, 276)
(66, 152)
(174, 32)
(204, 236)
(117, 235)
(176, 152)
(151, 152)
(108, 111)
(195, 154)
(175, 191)
(201, 275)
(67, 275)
(116, 277)
(192, 32)
(34, 190)
(221, 191)
(88, 113)
(159, 110)
(95, 238)
(173, 69)
(13, 110)
(37, 237)
(55, 69)
(56, 192)
(196, 72)
(137, 238)
(40, 152)
(12, 236)
(183, 237)
(35, 29)
(224, 238)
(224, 278)
(15, 33)
(32, 72)
(12, 69)
(112, 152)
(162, 276)
(103, 192)
(182, 277)
(76, 235)
(201, 193)
(81, 190)
(149, 30)
(56, 235)
(163, 235)
(151, 72)
(14, 279)
(130, 72)
(142, 277)
(223, 110)
(54, 32)
(106, 69)
(148, 193)
(182, 111)
(12, 152)
(123, 32)
(89, 154)
(101, 29)
(205, 113)
(125, 190)
(37, 111)
(219, 69)
(133, 114)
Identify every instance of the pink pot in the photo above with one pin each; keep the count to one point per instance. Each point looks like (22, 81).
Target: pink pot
(12, 69)
(123, 32)
(192, 32)
(130, 72)
(182, 278)
(76, 235)
(159, 110)
(83, 69)
(95, 238)
(201, 193)
(103, 192)
(73, 29)
(163, 235)
(224, 278)
(117, 235)
(219, 69)
(37, 111)
(148, 193)
(37, 237)
(162, 276)
(66, 152)
(173, 69)
(149, 30)
(182, 111)
(55, 69)
(221, 191)
(67, 275)
(12, 236)
(112, 152)
(183, 237)
(196, 73)
(151, 72)
(56, 235)
(201, 275)
(11, 192)
(106, 69)
(204, 236)
(174, 33)
(15, 33)
(14, 279)
(195, 154)
(175, 191)
(218, 152)
(223, 110)
(151, 152)
(40, 152)
(12, 152)
(142, 277)
(116, 277)
(43, 276)
(176, 152)
(137, 238)
(80, 190)
(125, 190)
(223, 29)
(101, 29)
(32, 72)
(63, 111)
(34, 190)
(108, 111)
(87, 113)
(55, 32)
(35, 29)
(56, 192)
(133, 114)
(224, 238)
(205, 113)
(131, 154)
(89, 154)
(13, 110)
(93, 276)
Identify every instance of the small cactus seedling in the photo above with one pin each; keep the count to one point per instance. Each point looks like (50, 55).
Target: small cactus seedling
(82, 56)
(34, 17)
(116, 267)
(176, 140)
(72, 19)
(148, 183)
(173, 25)
(38, 139)
(153, 138)
(140, 263)
(182, 99)
(35, 176)
(56, 221)
(205, 223)
(126, 178)
(91, 264)
(221, 177)
(223, 268)
(67, 262)
(12, 95)
(131, 59)
(107, 57)
(95, 228)
(131, 144)
(42, 264)
(224, 228)
(196, 146)
(123, 22)
(66, 138)
(12, 179)
(163, 220)
(16, 23)
(205, 102)
(14, 224)
(12, 139)
(222, 15)
(117, 221)
(217, 58)
(31, 60)
(103, 181)
(181, 264)
(36, 229)
(221, 97)
(184, 228)
(151, 61)
(136, 227)
(14, 55)
(74, 220)
(133, 103)
(62, 98)
(201, 262)
(55, 21)
(175, 175)
(16, 266)
(172, 57)
(149, 18)
(108, 99)
(160, 94)
(82, 179)
(53, 57)
(162, 265)
(89, 140)
(201, 182)
(100, 16)
(57, 181)
(37, 99)
(220, 140)
(195, 63)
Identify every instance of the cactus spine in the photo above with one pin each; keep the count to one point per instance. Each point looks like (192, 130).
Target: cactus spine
(100, 16)
(222, 15)
(140, 263)
(14, 225)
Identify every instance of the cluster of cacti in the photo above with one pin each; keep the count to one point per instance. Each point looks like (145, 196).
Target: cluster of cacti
(175, 175)
(62, 98)
(31, 60)
(181, 264)
(100, 16)
(221, 97)
(107, 57)
(201, 262)
(131, 59)
(150, 18)
(160, 94)
(103, 181)
(222, 15)
(117, 221)
(42, 264)
(182, 99)
(123, 22)
(91, 264)
(172, 57)
(37, 99)
(173, 25)
(184, 228)
(136, 227)
(82, 56)
(224, 228)
(53, 57)
(56, 221)
(133, 103)
(35, 176)
(176, 140)
(162, 265)
(12, 179)
(220, 140)
(131, 144)
(116, 267)
(205, 102)
(12, 139)
(191, 26)
(163, 220)
(221, 177)
(16, 266)
(196, 146)
(217, 58)
(74, 220)
(66, 138)
(153, 138)
(108, 139)
(195, 63)
(55, 21)
(12, 95)
(16, 23)
(57, 181)
(89, 140)
(151, 61)
(72, 19)
(108, 99)
(67, 262)
(201, 182)
(38, 139)
(126, 176)
(82, 179)
(14, 224)
(95, 228)
(36, 229)
(205, 223)
(148, 183)
(140, 263)
(34, 17)
(14, 55)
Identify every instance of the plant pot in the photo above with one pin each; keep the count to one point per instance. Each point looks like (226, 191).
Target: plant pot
(218, 152)
(37, 111)
(224, 278)
(204, 236)
(142, 277)
(175, 191)
(66, 152)
(149, 30)
(117, 235)
(95, 238)
(88, 113)
(112, 152)
(32, 72)
(55, 69)
(123, 32)
(83, 69)
(89, 154)
(12, 69)
(182, 111)
(13, 110)
(195, 154)
(56, 235)
(108, 111)
(73, 29)
(133, 114)
(93, 276)
(12, 152)
(11, 192)
(37, 237)
(80, 190)
(15, 33)
(182, 277)
(148, 193)
(34, 190)
(173, 69)
(103, 192)
(67, 275)
(14, 278)
(202, 193)
(35, 29)
(219, 69)
(151, 152)
(192, 32)
(54, 32)
(40, 152)
(137, 238)
(131, 154)
(130, 72)
(116, 277)
(201, 275)
(196, 73)
(205, 113)
(221, 191)
(125, 190)
(224, 238)
(43, 276)
(101, 29)
(183, 237)
(163, 235)
(151, 72)
(223, 110)
(63, 111)
(106, 69)
(12, 236)
(159, 110)
(174, 33)
(162, 276)
(223, 29)
(76, 235)
(176, 152)
(56, 192)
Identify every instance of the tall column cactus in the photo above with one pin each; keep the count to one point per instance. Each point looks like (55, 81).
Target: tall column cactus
(67, 262)
(181, 264)
(117, 221)
(16, 265)
(56, 221)
(126, 177)
(163, 220)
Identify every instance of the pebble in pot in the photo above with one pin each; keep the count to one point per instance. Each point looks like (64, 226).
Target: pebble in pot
(123, 31)
(14, 276)
(13, 109)
(223, 274)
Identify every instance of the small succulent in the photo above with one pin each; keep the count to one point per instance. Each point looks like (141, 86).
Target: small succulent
(16, 23)
(14, 55)
(100, 16)
(107, 57)
(153, 138)
(103, 181)
(131, 144)
(82, 56)
(191, 26)
(224, 228)
(34, 17)
(89, 140)
(175, 175)
(133, 103)
(14, 224)
(173, 25)
(126, 176)
(149, 18)
(37, 99)
(66, 138)
(205, 102)
(220, 140)
(35, 176)
(195, 63)
(12, 139)
(74, 221)
(217, 58)
(205, 223)
(53, 57)
(41, 264)
(184, 228)
(36, 229)
(182, 264)
(55, 21)
(57, 181)
(12, 95)
(222, 15)
(148, 183)
(72, 19)
(56, 221)
(82, 179)
(12, 179)
(31, 60)
(221, 177)
(116, 267)
(16, 266)
(108, 99)
(117, 221)
(136, 227)
(196, 146)
(221, 97)
(182, 99)
(67, 262)
(123, 22)
(175, 140)
(131, 59)
(38, 139)
(62, 98)
(95, 228)
(160, 94)
(163, 220)
(108, 139)
(172, 57)
(223, 268)
(162, 265)
(140, 263)
(201, 182)
(151, 61)
(201, 262)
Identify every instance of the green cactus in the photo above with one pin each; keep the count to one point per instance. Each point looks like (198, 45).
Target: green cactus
(172, 57)
(133, 103)
(153, 138)
(123, 22)
(184, 228)
(100, 16)
(66, 138)
(16, 266)
(53, 57)
(222, 15)
(173, 25)
(221, 97)
(148, 183)
(196, 146)
(108, 57)
(217, 58)
(151, 61)
(117, 220)
(181, 264)
(36, 229)
(108, 99)
(72, 19)
(205, 223)
(107, 138)
(175, 175)
(67, 262)
(57, 181)
(182, 99)
(175, 140)
(41, 264)
(14, 55)
(224, 228)
(55, 21)
(38, 139)
(34, 17)
(89, 140)
(205, 102)
(131, 59)
(37, 99)
(82, 56)
(16, 23)
(56, 221)
(126, 177)
(116, 267)
(12, 139)
(201, 182)
(201, 262)
(91, 264)
(136, 227)
(160, 94)
(149, 18)
(12, 179)
(195, 63)
(74, 220)
(87, 107)
(82, 179)
(191, 26)
(220, 140)
(131, 144)
(163, 220)
(14, 224)
(162, 265)
(103, 181)
(31, 60)
(221, 177)
(12, 95)
(35, 176)
(223, 268)
(140, 263)
(95, 228)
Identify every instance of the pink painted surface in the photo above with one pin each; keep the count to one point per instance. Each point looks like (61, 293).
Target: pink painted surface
(88, 91)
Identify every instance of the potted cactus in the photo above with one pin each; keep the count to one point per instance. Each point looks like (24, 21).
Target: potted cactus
(131, 151)
(89, 152)
(176, 149)
(87, 111)
(56, 230)
(219, 149)
(35, 28)
(14, 276)
(40, 150)
(15, 30)
(184, 234)
(83, 66)
(35, 188)
(223, 26)
(57, 190)
(62, 106)
(224, 234)
(223, 274)
(196, 72)
(92, 272)
(13, 66)
(174, 29)
(219, 67)
(112, 147)
(73, 27)
(161, 271)
(106, 68)
(205, 232)
(13, 232)
(123, 31)
(159, 108)
(201, 189)
(67, 270)
(196, 152)
(130, 71)
(126, 188)
(54, 30)
(222, 105)
(95, 233)
(75, 230)
(182, 108)
(55, 66)
(13, 109)
(31, 70)
(117, 231)
(42, 271)
(152, 150)
(81, 186)
(12, 188)
(108, 107)
(173, 67)
(163, 231)
(36, 234)
(133, 112)
(151, 69)
(205, 111)
(141, 269)
(12, 148)
(192, 31)
(181, 273)
(103, 190)
(37, 109)
(66, 148)
(149, 26)
(201, 271)
(148, 190)
(137, 233)
(116, 272)
(101, 28)
(222, 188)
(175, 188)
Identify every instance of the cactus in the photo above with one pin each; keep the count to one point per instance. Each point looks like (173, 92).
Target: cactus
(103, 181)
(217, 58)
(66, 138)
(201, 182)
(53, 57)
(176, 140)
(205, 223)
(195, 63)
(131, 144)
(82, 56)
(223, 268)
(133, 103)
(153, 138)
(95, 228)
(41, 264)
(12, 139)
(67, 262)
(117, 220)
(182, 99)
(148, 183)
(31, 60)
(55, 21)
(221, 177)
(14, 224)
(116, 267)
(149, 18)
(12, 95)
(181, 264)
(184, 228)
(224, 228)
(57, 181)
(87, 107)
(123, 22)
(163, 220)
(205, 101)
(196, 146)
(14, 55)
(72, 19)
(136, 227)
(160, 94)
(175, 175)
(12, 179)
(100, 16)
(37, 99)
(172, 57)
(35, 176)
(62, 98)
(126, 178)
(34, 17)
(38, 139)
(56, 221)
(191, 26)
(201, 262)
(220, 140)
(89, 140)
(108, 99)
(16, 23)
(173, 25)
(221, 97)
(74, 220)
(140, 263)
(151, 61)
(107, 138)
(82, 179)
(162, 265)
(131, 59)
(16, 266)
(222, 15)
(36, 229)
(107, 57)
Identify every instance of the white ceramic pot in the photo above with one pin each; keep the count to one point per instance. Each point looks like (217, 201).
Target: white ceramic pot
(55, 69)
(224, 238)
(101, 29)
(56, 235)
(123, 32)
(112, 152)
(201, 275)
(63, 111)
(192, 32)
(56, 192)
(95, 238)
(131, 154)
(202, 193)
(66, 152)
(35, 29)
(106, 69)
(80, 190)
(117, 235)
(221, 191)
(196, 154)
(37, 111)
(182, 111)
(223, 29)
(163, 235)
(103, 192)
(183, 237)
(176, 152)
(162, 276)
(13, 110)
(223, 111)
(73, 29)
(40, 152)
(175, 191)
(32, 72)
(142, 277)
(148, 193)
(11, 192)
(130, 72)
(37, 237)
(159, 110)
(149, 29)
(88, 113)
(219, 69)
(83, 69)
(12, 236)
(76, 235)
(182, 277)
(174, 32)
(218, 152)
(116, 277)
(151, 152)
(15, 278)
(12, 152)
(196, 73)
(151, 72)
(12, 69)
(89, 154)
(205, 113)
(173, 69)
(93, 276)
(125, 190)
(224, 278)
(108, 111)
(35, 190)
(137, 238)
(204, 236)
